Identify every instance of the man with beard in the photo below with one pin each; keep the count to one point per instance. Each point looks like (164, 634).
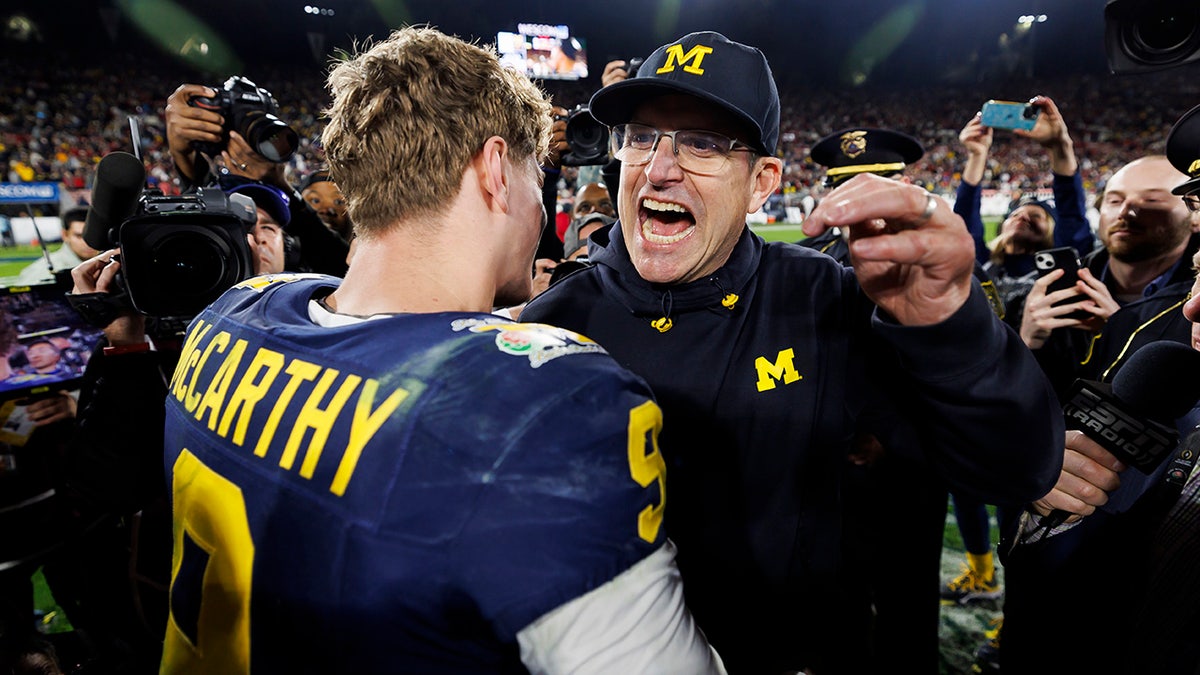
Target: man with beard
(1060, 585)
(1141, 269)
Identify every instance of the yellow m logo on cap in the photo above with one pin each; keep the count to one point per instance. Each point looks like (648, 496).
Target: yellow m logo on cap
(676, 57)
(1195, 166)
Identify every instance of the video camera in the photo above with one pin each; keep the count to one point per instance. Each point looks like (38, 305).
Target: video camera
(178, 253)
(253, 112)
(1147, 35)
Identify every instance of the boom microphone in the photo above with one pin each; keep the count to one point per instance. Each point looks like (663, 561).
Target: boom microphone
(1134, 419)
(120, 178)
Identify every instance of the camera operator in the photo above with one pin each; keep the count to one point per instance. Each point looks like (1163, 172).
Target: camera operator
(114, 495)
(322, 249)
(269, 245)
(94, 539)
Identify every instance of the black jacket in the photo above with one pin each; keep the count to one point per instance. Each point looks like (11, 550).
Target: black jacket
(763, 376)
(1070, 599)
(1076, 353)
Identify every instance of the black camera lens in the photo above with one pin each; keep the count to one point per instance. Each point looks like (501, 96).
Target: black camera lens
(1164, 29)
(271, 137)
(189, 262)
(587, 137)
(1151, 35)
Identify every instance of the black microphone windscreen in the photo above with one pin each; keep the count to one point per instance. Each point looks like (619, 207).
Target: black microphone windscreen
(120, 178)
(1161, 380)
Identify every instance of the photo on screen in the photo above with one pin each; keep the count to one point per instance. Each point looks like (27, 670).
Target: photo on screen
(44, 342)
(544, 51)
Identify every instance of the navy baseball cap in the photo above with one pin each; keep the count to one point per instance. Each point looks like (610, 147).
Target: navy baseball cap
(711, 67)
(1032, 200)
(571, 239)
(849, 152)
(268, 198)
(318, 176)
(1183, 150)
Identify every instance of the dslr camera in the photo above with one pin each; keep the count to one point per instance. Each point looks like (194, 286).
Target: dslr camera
(253, 112)
(178, 253)
(587, 137)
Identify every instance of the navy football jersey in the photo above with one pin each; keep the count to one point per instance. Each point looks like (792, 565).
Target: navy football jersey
(400, 494)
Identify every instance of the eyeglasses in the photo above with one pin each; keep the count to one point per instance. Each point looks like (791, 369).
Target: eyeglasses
(699, 152)
(1192, 201)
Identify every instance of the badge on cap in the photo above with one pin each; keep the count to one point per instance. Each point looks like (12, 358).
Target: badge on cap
(854, 143)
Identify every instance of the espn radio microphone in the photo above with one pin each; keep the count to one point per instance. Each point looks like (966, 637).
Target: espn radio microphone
(120, 178)
(1134, 418)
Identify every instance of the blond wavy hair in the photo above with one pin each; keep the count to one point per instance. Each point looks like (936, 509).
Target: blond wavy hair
(407, 115)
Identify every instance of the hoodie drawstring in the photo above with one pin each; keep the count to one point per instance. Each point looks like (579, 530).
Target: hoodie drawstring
(664, 323)
(728, 300)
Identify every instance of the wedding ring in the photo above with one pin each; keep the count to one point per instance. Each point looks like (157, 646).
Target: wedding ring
(930, 207)
(243, 165)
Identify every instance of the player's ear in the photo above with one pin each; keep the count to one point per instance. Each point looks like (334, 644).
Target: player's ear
(492, 168)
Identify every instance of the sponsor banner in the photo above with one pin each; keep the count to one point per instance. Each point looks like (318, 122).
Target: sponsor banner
(40, 193)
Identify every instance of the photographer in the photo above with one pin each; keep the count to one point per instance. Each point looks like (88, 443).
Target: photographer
(321, 249)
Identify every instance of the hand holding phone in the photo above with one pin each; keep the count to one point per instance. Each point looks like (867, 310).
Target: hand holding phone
(1063, 258)
(1009, 115)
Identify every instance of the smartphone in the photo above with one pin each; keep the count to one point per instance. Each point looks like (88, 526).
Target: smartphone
(1062, 258)
(1009, 115)
(44, 343)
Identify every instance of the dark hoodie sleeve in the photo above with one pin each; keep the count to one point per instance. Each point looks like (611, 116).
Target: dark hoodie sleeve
(988, 418)
(116, 455)
(1072, 227)
(967, 204)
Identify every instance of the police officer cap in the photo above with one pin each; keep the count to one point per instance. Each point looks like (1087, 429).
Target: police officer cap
(1183, 150)
(849, 152)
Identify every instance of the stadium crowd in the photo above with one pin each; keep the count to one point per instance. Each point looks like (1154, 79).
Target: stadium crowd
(61, 117)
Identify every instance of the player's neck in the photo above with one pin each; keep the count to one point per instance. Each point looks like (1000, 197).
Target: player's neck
(401, 275)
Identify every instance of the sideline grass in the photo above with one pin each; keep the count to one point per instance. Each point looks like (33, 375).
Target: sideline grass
(792, 231)
(14, 258)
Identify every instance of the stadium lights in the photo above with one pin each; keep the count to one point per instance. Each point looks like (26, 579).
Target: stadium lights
(318, 11)
(1028, 20)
